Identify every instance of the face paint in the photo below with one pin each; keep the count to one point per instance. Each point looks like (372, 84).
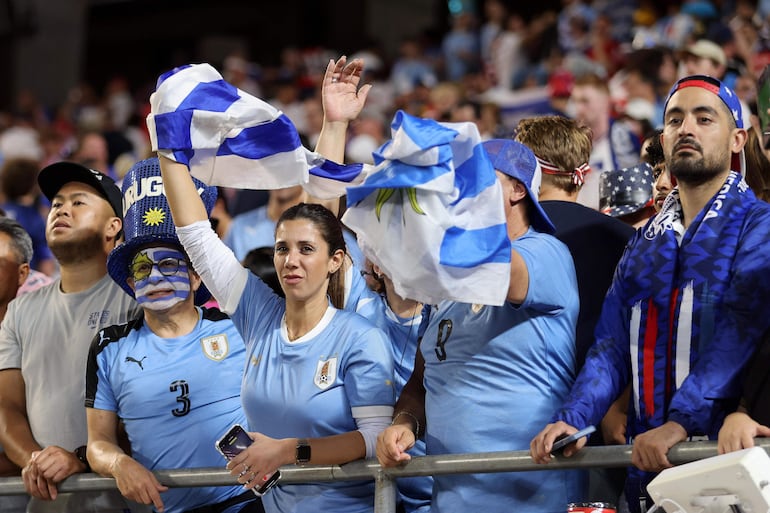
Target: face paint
(161, 278)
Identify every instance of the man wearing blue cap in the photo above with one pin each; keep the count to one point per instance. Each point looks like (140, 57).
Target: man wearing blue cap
(688, 304)
(487, 377)
(155, 373)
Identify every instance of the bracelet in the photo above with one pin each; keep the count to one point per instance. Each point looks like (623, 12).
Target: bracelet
(413, 417)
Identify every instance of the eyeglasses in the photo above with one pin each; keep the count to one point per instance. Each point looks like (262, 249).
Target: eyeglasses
(167, 267)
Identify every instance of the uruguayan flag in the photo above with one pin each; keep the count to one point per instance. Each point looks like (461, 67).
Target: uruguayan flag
(230, 138)
(430, 214)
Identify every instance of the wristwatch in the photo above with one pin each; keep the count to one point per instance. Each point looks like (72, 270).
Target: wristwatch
(80, 453)
(303, 451)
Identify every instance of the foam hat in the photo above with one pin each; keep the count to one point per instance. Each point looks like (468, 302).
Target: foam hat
(517, 161)
(147, 220)
(626, 191)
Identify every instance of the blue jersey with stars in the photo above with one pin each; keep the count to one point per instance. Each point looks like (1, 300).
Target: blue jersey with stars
(493, 377)
(176, 396)
(312, 387)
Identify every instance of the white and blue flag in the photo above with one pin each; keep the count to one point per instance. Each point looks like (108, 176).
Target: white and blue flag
(230, 138)
(430, 214)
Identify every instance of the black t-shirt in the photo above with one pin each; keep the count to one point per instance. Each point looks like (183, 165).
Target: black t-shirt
(596, 242)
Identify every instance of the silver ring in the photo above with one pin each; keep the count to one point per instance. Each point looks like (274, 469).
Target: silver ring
(335, 79)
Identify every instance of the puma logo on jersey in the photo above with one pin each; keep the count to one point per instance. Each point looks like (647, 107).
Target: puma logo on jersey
(138, 362)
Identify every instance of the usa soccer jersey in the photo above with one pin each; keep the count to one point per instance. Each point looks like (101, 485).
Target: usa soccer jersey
(683, 316)
(176, 396)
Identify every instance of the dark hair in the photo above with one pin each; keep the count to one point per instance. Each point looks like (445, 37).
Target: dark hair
(21, 242)
(18, 177)
(757, 166)
(653, 154)
(260, 262)
(331, 231)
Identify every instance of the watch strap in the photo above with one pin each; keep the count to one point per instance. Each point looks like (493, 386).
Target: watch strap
(80, 453)
(303, 451)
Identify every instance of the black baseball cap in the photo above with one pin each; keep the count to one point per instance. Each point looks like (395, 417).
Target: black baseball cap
(52, 178)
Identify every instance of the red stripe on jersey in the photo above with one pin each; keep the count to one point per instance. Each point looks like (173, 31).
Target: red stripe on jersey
(669, 349)
(648, 359)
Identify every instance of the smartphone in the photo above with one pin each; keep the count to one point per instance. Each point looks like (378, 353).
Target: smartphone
(763, 103)
(561, 443)
(235, 441)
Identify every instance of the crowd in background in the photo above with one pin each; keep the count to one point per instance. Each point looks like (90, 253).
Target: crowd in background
(492, 67)
(604, 68)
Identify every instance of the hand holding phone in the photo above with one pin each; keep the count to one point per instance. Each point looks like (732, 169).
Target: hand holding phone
(233, 443)
(561, 443)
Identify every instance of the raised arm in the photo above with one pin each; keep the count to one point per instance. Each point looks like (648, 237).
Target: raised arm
(216, 264)
(342, 102)
(183, 199)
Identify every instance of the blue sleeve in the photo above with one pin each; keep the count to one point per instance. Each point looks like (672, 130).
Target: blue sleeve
(369, 370)
(720, 368)
(552, 282)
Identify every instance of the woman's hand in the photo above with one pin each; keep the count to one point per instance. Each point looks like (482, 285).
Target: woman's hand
(341, 97)
(261, 459)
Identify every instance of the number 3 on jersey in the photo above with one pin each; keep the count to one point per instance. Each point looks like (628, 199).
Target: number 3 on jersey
(183, 398)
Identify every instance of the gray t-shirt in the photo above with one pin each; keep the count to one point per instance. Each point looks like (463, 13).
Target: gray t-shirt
(47, 334)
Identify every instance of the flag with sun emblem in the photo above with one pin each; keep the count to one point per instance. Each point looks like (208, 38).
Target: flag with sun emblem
(430, 214)
(147, 219)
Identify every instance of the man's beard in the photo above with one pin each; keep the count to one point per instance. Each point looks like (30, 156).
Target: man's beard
(78, 250)
(697, 170)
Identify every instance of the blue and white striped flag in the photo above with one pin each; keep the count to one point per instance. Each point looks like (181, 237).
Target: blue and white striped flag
(230, 138)
(430, 214)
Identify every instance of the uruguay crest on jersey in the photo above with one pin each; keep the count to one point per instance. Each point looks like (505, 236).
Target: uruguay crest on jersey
(215, 347)
(325, 373)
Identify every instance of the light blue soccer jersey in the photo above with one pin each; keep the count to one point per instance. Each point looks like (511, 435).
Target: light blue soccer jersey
(493, 378)
(250, 230)
(311, 387)
(176, 396)
(414, 492)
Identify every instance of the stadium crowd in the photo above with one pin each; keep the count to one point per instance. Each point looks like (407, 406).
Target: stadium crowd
(630, 163)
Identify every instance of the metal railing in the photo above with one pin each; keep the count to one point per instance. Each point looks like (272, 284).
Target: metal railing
(384, 478)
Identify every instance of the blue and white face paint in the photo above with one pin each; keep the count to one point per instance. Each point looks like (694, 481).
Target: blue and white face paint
(161, 278)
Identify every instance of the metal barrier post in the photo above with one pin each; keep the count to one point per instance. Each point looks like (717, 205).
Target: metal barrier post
(384, 493)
